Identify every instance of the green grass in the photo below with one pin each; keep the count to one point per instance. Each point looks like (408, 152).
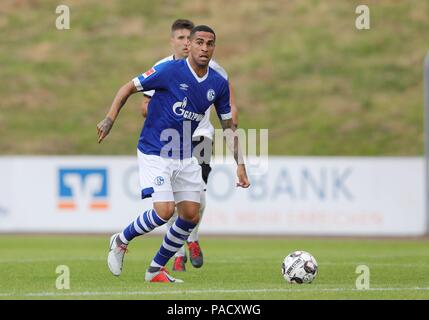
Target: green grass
(299, 68)
(234, 268)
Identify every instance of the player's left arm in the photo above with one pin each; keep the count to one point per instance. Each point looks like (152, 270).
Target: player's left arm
(233, 144)
(234, 109)
(227, 113)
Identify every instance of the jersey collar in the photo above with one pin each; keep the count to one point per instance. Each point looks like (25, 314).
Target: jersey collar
(199, 79)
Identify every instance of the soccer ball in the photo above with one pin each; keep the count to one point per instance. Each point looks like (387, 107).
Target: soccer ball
(299, 267)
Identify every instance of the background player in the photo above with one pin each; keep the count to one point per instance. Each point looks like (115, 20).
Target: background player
(180, 32)
(172, 178)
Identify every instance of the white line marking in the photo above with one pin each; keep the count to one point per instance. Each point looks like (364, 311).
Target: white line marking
(35, 260)
(181, 292)
(220, 261)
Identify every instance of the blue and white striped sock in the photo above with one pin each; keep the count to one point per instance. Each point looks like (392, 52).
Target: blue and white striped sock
(174, 239)
(144, 223)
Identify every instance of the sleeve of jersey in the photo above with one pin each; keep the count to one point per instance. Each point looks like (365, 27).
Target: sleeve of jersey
(152, 79)
(222, 104)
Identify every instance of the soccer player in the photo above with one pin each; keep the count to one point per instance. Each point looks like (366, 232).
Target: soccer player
(168, 173)
(203, 136)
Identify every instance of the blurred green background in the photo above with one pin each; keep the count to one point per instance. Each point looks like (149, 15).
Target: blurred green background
(299, 68)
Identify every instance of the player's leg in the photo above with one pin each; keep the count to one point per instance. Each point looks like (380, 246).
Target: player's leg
(144, 223)
(194, 234)
(155, 183)
(195, 252)
(147, 221)
(186, 189)
(176, 236)
(180, 258)
(202, 152)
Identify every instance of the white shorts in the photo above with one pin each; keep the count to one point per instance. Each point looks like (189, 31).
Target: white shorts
(166, 179)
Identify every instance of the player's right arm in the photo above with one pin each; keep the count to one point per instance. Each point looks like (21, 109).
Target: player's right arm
(104, 126)
(154, 78)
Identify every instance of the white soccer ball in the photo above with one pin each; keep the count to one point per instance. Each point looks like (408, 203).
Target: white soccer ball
(299, 267)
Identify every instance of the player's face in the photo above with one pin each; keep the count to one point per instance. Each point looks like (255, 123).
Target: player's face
(180, 43)
(202, 47)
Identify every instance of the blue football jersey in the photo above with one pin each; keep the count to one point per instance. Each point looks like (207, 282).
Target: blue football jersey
(178, 105)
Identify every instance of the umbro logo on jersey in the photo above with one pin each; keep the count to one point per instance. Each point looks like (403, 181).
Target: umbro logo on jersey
(149, 72)
(184, 86)
(211, 94)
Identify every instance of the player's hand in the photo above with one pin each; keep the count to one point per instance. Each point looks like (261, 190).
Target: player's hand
(243, 181)
(103, 128)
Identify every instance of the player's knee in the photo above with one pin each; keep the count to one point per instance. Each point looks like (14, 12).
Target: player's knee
(191, 215)
(193, 218)
(165, 210)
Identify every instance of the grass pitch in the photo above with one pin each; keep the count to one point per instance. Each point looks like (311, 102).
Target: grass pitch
(234, 268)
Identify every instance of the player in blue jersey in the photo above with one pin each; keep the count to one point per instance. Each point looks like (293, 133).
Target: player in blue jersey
(202, 139)
(168, 173)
